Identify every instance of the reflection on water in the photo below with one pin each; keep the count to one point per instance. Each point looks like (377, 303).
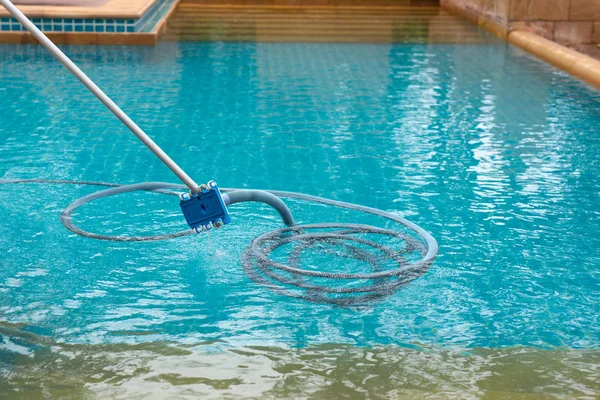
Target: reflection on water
(34, 367)
(507, 184)
(494, 153)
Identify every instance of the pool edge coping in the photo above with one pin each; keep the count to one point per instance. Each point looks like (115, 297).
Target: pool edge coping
(571, 61)
(97, 38)
(578, 65)
(114, 9)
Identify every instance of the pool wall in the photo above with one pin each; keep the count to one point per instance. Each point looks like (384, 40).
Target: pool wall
(577, 64)
(552, 31)
(572, 23)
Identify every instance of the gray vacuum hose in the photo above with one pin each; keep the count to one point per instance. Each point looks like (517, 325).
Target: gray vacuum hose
(261, 196)
(391, 267)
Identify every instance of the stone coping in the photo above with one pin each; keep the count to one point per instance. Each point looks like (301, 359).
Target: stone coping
(575, 63)
(94, 38)
(126, 9)
(571, 61)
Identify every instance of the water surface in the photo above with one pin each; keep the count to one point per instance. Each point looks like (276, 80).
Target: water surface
(494, 153)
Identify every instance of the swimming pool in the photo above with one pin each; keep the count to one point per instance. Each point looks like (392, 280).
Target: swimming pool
(494, 153)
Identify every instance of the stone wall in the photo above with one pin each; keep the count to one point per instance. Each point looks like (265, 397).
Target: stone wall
(573, 23)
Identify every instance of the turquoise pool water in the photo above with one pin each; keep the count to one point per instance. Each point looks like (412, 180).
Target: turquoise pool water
(494, 153)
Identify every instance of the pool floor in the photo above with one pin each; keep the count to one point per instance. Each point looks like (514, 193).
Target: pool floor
(493, 152)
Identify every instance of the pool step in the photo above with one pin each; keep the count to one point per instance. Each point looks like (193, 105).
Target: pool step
(319, 24)
(365, 3)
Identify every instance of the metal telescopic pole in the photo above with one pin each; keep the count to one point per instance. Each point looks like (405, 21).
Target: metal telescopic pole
(137, 131)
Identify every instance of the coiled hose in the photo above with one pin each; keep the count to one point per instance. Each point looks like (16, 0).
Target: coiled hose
(410, 261)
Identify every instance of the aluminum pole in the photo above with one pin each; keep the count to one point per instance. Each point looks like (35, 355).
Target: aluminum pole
(137, 131)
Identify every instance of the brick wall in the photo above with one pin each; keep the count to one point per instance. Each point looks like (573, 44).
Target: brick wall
(573, 23)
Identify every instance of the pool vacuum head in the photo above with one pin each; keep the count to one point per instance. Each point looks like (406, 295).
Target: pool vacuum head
(205, 208)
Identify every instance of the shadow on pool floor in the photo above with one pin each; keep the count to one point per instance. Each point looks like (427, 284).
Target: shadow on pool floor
(35, 367)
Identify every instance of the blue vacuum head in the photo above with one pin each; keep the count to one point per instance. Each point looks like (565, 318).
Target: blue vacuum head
(204, 209)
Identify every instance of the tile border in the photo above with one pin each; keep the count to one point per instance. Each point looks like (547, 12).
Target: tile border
(88, 25)
(9, 24)
(142, 31)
